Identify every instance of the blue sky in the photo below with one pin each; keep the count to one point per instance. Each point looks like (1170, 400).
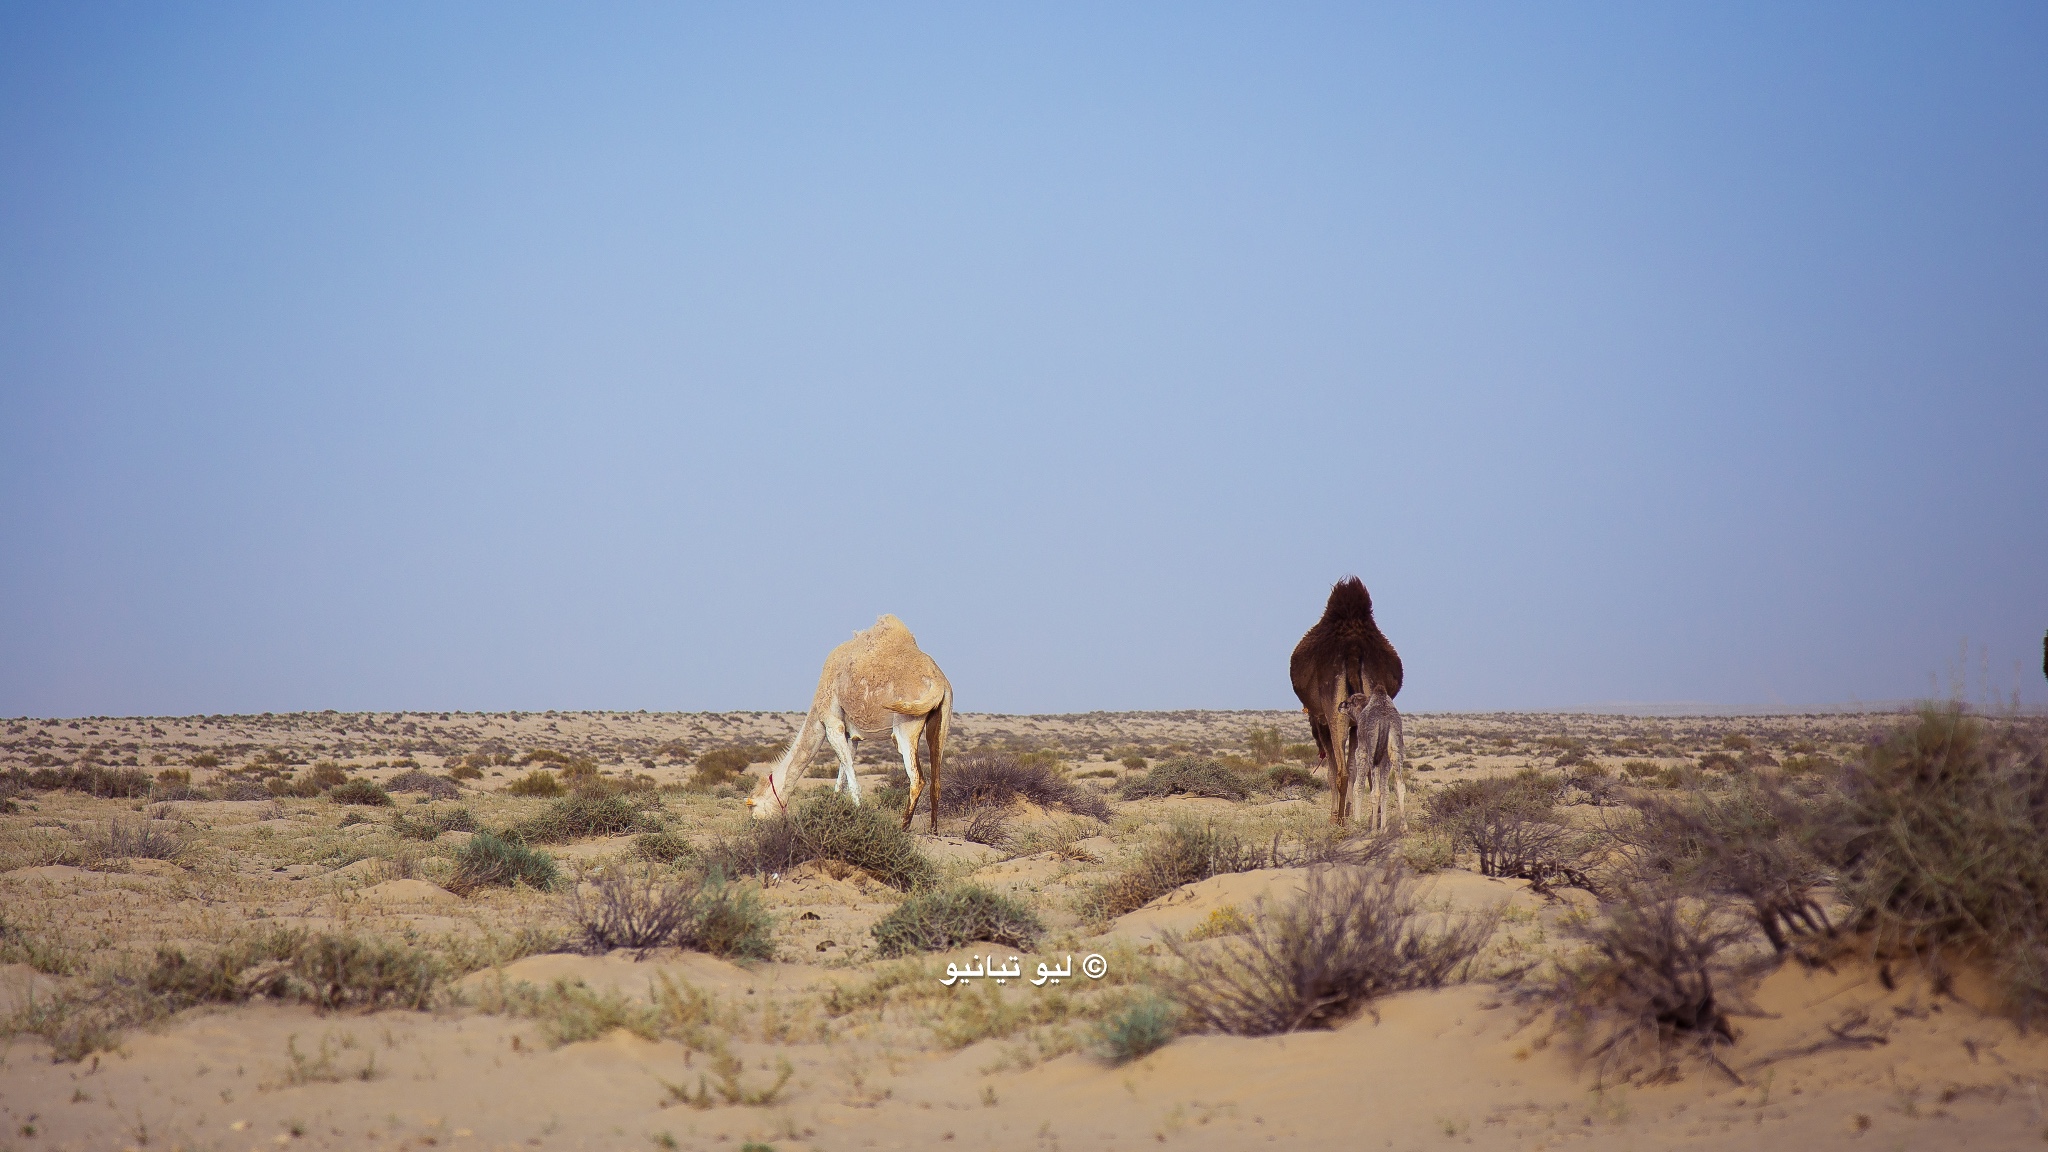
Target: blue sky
(486, 357)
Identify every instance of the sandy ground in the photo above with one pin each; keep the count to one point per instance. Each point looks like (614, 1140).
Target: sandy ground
(880, 1053)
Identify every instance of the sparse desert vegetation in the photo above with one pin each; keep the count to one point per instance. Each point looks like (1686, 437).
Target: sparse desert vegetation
(1703, 912)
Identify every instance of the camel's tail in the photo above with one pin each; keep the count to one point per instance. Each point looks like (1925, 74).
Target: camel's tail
(773, 795)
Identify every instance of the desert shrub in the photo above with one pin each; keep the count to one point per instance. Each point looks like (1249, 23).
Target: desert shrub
(1188, 851)
(727, 920)
(539, 782)
(1139, 1028)
(1134, 762)
(1305, 753)
(1802, 763)
(1650, 985)
(203, 760)
(704, 914)
(1281, 777)
(1506, 822)
(1265, 745)
(326, 774)
(147, 839)
(545, 756)
(1940, 837)
(487, 860)
(465, 771)
(826, 825)
(111, 783)
(1354, 935)
(663, 848)
(437, 787)
(990, 826)
(720, 765)
(360, 791)
(1737, 742)
(584, 814)
(1189, 776)
(240, 788)
(929, 921)
(1750, 843)
(431, 823)
(326, 970)
(978, 779)
(1719, 762)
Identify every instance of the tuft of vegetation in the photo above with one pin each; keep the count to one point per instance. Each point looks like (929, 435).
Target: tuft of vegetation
(91, 779)
(929, 921)
(1940, 838)
(1283, 777)
(1650, 987)
(1354, 935)
(436, 787)
(826, 825)
(539, 782)
(990, 826)
(663, 848)
(984, 779)
(721, 765)
(434, 821)
(1506, 821)
(360, 791)
(1189, 776)
(704, 914)
(1265, 745)
(1138, 1029)
(487, 861)
(1189, 850)
(138, 839)
(326, 970)
(1752, 843)
(584, 814)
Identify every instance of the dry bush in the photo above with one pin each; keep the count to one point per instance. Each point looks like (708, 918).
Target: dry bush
(325, 969)
(91, 779)
(436, 787)
(1505, 821)
(1650, 986)
(1940, 837)
(145, 839)
(979, 779)
(1752, 843)
(360, 791)
(1354, 935)
(630, 911)
(1188, 851)
(1189, 776)
(990, 826)
(240, 788)
(929, 921)
(721, 765)
(434, 821)
(539, 782)
(663, 848)
(826, 825)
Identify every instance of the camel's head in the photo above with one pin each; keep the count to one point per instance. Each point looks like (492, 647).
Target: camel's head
(767, 801)
(1355, 705)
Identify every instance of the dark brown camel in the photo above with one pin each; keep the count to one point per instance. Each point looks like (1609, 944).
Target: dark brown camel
(1344, 654)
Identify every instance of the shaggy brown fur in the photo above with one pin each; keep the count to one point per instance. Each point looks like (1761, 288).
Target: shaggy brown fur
(1344, 654)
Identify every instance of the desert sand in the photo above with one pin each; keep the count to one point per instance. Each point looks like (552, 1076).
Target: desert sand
(829, 1046)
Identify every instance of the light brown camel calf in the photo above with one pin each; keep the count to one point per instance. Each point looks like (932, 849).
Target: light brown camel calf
(1378, 726)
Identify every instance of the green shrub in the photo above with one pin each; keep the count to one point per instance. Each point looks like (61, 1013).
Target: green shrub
(581, 815)
(1265, 745)
(1188, 851)
(663, 848)
(929, 921)
(727, 920)
(487, 860)
(1281, 777)
(826, 825)
(539, 782)
(204, 760)
(1189, 776)
(1140, 1028)
(326, 970)
(465, 771)
(359, 791)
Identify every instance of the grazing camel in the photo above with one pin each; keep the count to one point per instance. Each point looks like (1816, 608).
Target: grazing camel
(1378, 726)
(878, 681)
(1342, 655)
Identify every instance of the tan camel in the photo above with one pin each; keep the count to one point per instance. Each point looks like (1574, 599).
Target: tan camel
(878, 681)
(1378, 725)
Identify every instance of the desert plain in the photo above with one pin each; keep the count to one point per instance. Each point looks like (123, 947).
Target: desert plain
(469, 1013)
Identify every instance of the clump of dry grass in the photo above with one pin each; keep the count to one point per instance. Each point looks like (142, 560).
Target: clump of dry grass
(703, 913)
(1940, 837)
(586, 813)
(436, 787)
(488, 861)
(1752, 843)
(1507, 823)
(539, 782)
(360, 791)
(1354, 935)
(1188, 851)
(143, 839)
(1650, 986)
(998, 778)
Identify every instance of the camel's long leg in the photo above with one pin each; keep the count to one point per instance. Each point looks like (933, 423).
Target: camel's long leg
(935, 727)
(907, 729)
(1400, 769)
(842, 743)
(1343, 747)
